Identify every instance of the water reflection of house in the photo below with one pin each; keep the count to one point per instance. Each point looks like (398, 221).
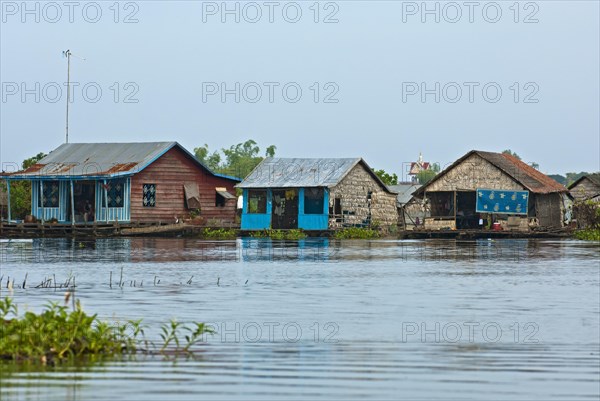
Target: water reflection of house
(126, 182)
(315, 194)
(411, 210)
(586, 188)
(485, 187)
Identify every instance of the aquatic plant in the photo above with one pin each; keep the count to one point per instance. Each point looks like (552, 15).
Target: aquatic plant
(57, 335)
(292, 234)
(219, 233)
(356, 233)
(588, 234)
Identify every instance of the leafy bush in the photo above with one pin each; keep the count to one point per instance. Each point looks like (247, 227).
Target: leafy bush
(293, 234)
(57, 335)
(356, 233)
(588, 235)
(219, 233)
(587, 214)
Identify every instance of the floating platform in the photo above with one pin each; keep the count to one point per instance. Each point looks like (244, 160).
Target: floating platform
(102, 230)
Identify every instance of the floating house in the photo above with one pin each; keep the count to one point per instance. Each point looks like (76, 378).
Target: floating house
(147, 182)
(316, 194)
(586, 188)
(482, 188)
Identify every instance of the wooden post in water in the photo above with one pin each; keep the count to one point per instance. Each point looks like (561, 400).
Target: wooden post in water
(8, 198)
(41, 198)
(72, 205)
(105, 202)
(454, 207)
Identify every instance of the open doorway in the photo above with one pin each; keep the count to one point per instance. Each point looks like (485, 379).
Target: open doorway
(84, 195)
(285, 209)
(466, 217)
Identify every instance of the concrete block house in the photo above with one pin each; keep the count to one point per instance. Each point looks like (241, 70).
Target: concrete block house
(315, 194)
(148, 182)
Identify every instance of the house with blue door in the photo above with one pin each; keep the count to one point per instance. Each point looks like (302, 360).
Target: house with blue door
(149, 182)
(316, 194)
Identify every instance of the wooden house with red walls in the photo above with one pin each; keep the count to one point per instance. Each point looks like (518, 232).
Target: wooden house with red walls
(148, 182)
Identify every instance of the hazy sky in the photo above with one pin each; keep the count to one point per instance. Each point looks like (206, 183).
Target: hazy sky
(378, 79)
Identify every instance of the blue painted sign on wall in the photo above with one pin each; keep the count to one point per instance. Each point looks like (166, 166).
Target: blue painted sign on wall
(501, 201)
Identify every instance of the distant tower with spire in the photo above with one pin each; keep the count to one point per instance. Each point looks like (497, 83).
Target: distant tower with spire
(418, 166)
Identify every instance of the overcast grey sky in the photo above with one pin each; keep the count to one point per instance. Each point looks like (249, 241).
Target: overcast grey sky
(378, 79)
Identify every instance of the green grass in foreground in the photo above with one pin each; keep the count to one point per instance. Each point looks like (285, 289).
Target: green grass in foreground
(58, 335)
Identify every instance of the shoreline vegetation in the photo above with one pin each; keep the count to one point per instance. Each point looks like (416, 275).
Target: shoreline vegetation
(58, 335)
(589, 234)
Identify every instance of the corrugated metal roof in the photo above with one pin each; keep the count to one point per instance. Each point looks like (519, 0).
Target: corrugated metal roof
(274, 172)
(530, 178)
(97, 159)
(404, 191)
(89, 160)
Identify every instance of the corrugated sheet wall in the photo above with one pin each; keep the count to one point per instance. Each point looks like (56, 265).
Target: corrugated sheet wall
(121, 214)
(47, 213)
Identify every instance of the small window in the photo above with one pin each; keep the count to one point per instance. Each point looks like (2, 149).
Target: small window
(115, 193)
(313, 200)
(50, 194)
(219, 200)
(221, 196)
(257, 202)
(149, 195)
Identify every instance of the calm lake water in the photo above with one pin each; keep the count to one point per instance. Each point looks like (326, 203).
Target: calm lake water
(325, 319)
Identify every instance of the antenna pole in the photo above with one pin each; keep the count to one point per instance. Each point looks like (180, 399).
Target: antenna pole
(68, 54)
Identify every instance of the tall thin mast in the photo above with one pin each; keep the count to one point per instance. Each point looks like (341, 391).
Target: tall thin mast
(68, 54)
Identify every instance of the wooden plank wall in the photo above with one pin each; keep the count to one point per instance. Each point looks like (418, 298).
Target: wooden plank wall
(169, 173)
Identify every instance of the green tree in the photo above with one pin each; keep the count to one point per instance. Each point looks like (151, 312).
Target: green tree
(388, 179)
(32, 160)
(20, 191)
(424, 176)
(510, 152)
(239, 160)
(211, 160)
(561, 179)
(270, 152)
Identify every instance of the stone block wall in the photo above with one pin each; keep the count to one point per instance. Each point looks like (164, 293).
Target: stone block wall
(353, 193)
(433, 224)
(474, 172)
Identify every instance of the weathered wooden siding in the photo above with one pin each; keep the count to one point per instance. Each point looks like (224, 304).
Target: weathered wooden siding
(169, 173)
(474, 172)
(585, 189)
(353, 191)
(548, 210)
